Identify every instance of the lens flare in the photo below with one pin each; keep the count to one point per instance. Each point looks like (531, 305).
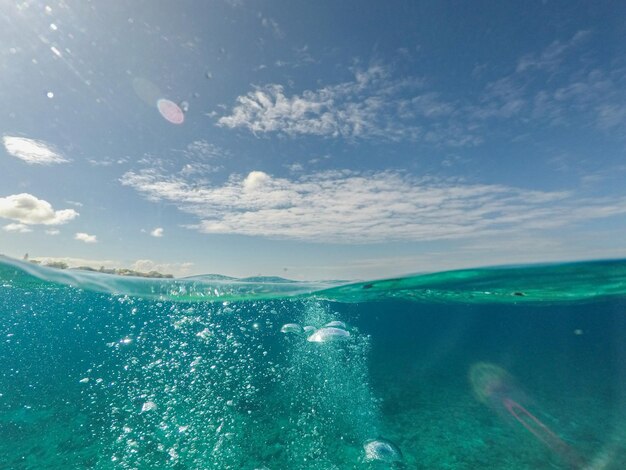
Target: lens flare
(170, 111)
(497, 389)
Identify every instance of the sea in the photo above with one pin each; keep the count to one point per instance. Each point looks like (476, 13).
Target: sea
(513, 367)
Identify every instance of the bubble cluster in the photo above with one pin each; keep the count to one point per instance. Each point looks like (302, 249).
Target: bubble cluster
(155, 384)
(328, 407)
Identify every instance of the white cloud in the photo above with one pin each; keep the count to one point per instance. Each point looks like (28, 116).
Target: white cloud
(85, 237)
(27, 209)
(319, 112)
(372, 105)
(147, 265)
(268, 109)
(157, 232)
(52, 231)
(353, 207)
(16, 227)
(255, 180)
(32, 151)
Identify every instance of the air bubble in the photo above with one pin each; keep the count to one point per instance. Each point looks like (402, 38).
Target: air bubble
(293, 328)
(327, 334)
(382, 450)
(148, 406)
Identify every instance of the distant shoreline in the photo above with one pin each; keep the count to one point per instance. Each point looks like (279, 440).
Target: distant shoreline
(103, 270)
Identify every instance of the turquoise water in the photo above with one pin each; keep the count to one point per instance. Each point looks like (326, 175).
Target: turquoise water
(512, 368)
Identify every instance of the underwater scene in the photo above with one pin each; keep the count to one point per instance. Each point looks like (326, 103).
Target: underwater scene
(312, 235)
(505, 368)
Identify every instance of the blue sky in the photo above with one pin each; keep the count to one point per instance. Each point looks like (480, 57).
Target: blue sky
(321, 139)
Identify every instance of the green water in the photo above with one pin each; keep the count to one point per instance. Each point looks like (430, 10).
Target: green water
(105, 372)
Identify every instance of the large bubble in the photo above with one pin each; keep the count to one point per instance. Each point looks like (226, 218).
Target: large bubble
(291, 328)
(382, 450)
(328, 333)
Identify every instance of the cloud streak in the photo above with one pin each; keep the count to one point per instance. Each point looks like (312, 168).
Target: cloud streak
(558, 86)
(31, 151)
(353, 207)
(552, 56)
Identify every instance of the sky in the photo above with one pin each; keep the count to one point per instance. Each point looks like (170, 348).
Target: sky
(312, 140)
